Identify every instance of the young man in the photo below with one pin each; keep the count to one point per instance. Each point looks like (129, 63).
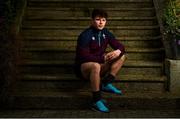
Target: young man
(92, 61)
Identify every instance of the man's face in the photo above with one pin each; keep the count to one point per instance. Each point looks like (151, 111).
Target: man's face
(99, 22)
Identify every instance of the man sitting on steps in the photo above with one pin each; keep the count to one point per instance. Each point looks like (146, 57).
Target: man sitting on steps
(93, 63)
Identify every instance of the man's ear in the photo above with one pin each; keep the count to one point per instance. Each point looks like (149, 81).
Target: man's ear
(92, 21)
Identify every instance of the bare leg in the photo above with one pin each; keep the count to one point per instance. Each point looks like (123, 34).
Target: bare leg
(94, 71)
(116, 66)
(91, 70)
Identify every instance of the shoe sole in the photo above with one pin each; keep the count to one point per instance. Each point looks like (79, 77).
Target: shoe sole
(112, 92)
(97, 110)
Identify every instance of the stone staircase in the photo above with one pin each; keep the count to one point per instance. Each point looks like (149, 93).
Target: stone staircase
(50, 29)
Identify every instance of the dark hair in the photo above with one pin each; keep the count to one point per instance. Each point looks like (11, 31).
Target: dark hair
(99, 12)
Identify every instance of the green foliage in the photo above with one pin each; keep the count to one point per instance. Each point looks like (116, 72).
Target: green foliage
(172, 16)
(178, 13)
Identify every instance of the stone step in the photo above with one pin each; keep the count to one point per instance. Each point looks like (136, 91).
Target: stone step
(82, 100)
(115, 18)
(71, 47)
(70, 38)
(90, 9)
(128, 63)
(83, 27)
(121, 1)
(58, 13)
(68, 77)
(55, 23)
(91, 4)
(152, 54)
(63, 69)
(75, 31)
(73, 43)
(83, 21)
(36, 86)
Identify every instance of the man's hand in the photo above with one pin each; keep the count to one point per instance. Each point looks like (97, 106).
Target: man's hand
(112, 55)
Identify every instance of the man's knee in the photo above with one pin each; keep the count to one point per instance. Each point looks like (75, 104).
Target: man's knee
(91, 66)
(120, 59)
(123, 58)
(96, 66)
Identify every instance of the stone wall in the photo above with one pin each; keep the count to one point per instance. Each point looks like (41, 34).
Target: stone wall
(173, 74)
(9, 45)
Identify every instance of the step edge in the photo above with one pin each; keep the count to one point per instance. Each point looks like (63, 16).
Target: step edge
(129, 1)
(69, 77)
(88, 18)
(73, 38)
(148, 27)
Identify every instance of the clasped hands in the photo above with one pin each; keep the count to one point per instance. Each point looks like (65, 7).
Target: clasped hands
(112, 55)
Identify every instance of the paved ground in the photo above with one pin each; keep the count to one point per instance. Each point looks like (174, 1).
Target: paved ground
(89, 114)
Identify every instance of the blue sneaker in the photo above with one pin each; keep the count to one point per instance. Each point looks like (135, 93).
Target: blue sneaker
(111, 89)
(100, 106)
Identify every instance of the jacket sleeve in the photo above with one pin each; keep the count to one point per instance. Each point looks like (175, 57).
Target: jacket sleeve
(83, 51)
(115, 44)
